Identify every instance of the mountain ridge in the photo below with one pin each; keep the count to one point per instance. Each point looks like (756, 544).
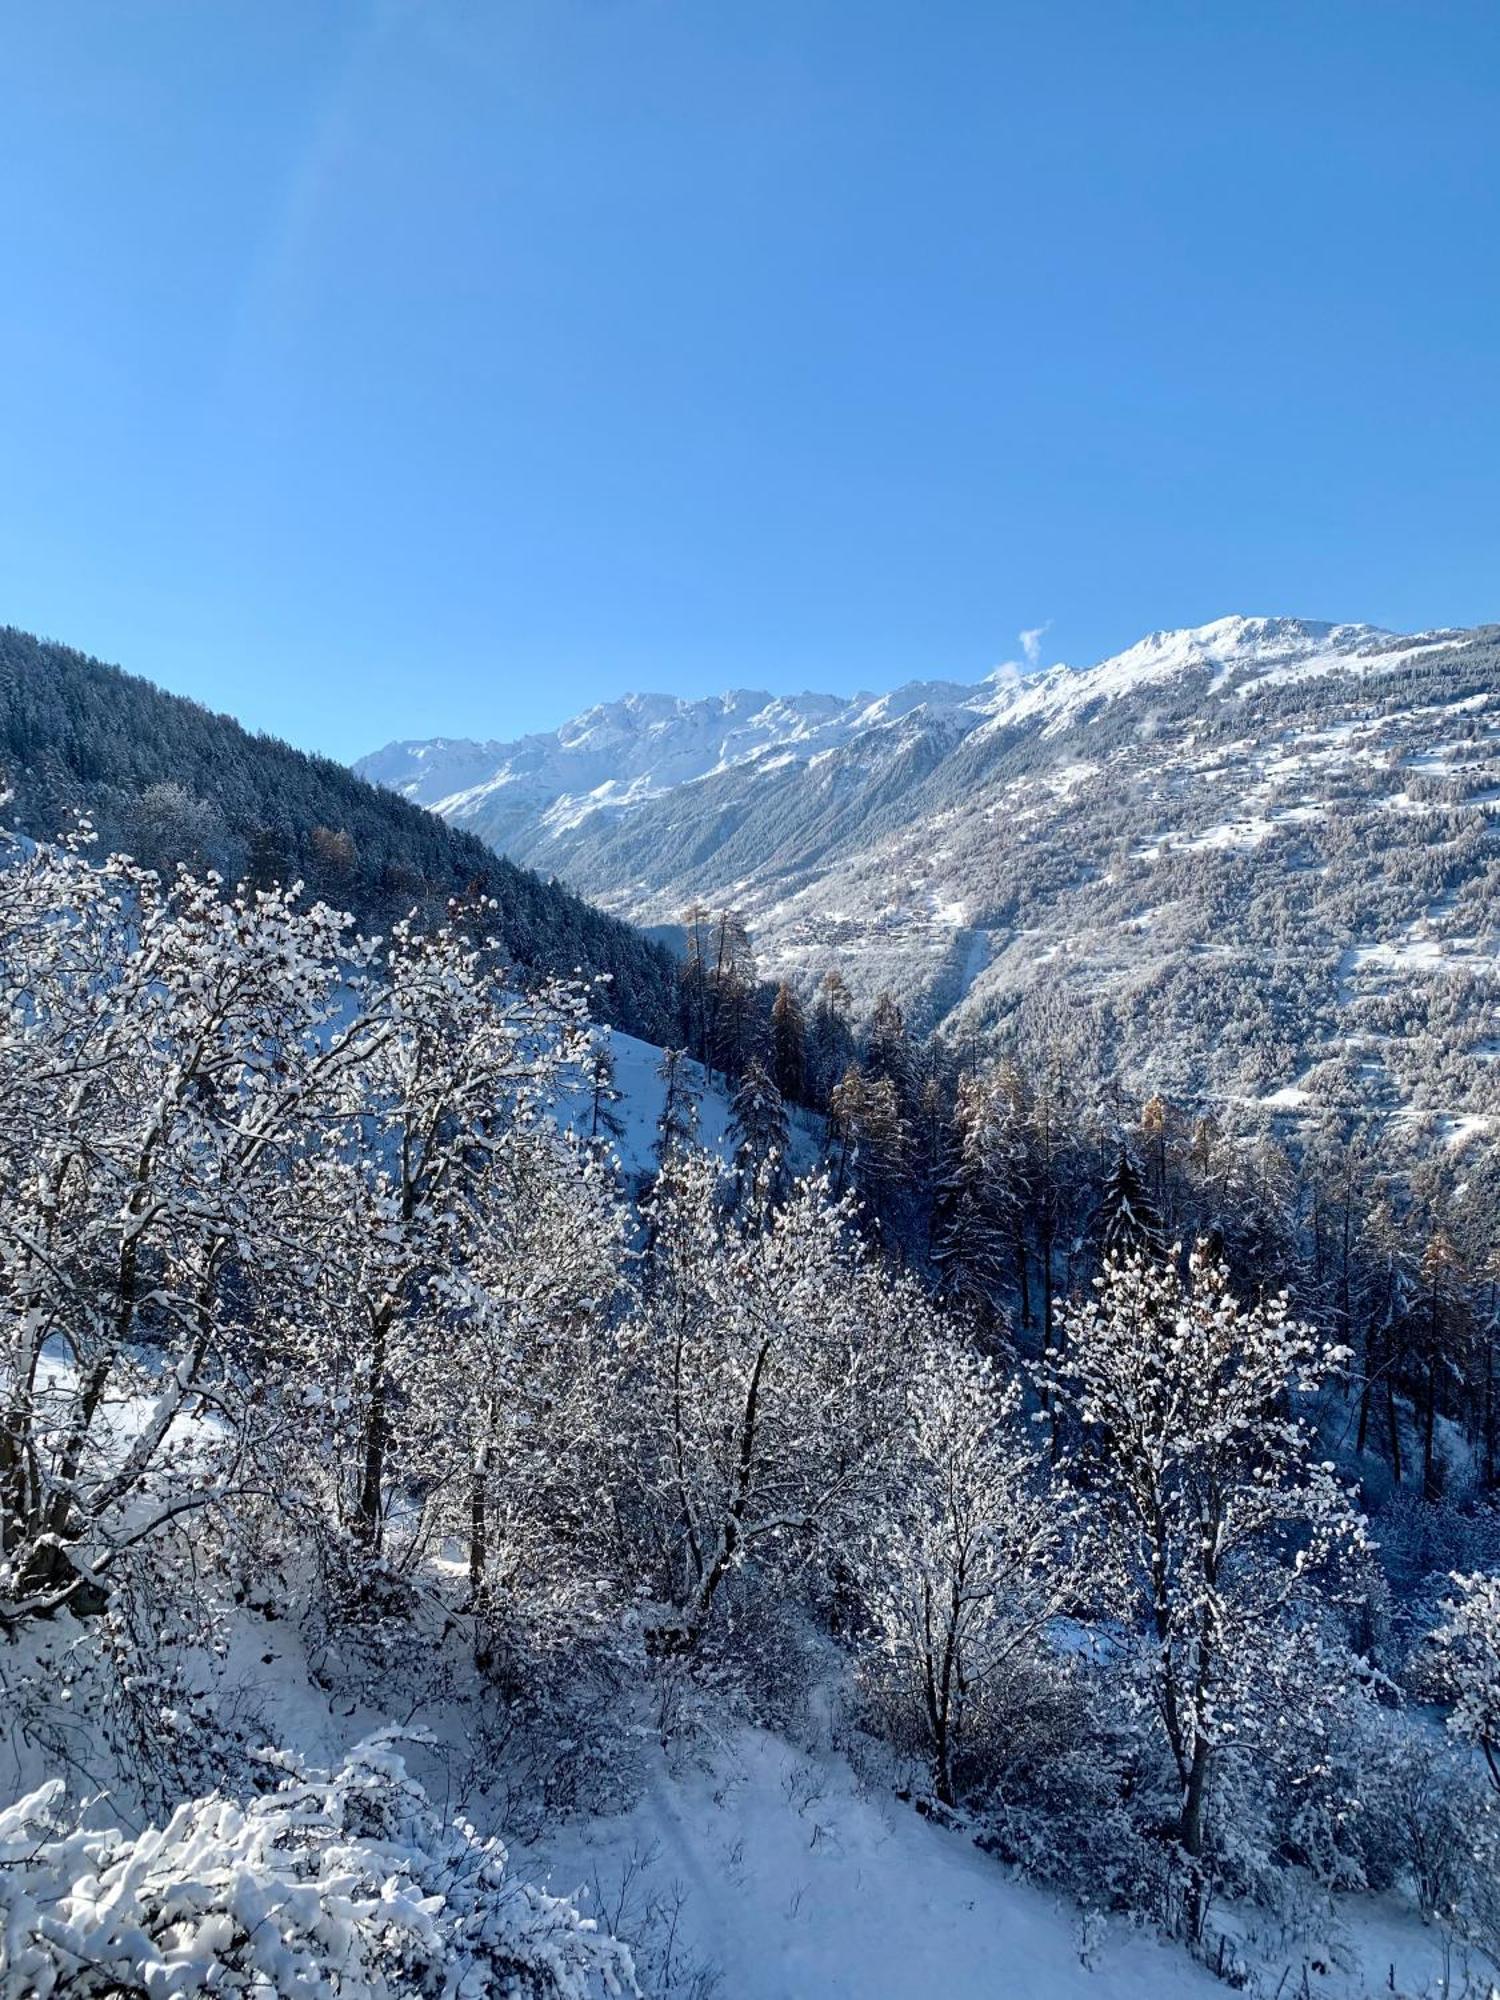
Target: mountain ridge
(168, 780)
(461, 777)
(1235, 855)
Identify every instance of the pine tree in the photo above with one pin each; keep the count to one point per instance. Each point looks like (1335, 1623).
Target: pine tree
(697, 930)
(731, 993)
(1128, 1223)
(974, 1228)
(677, 1121)
(1390, 1276)
(889, 1052)
(599, 1074)
(758, 1128)
(789, 1044)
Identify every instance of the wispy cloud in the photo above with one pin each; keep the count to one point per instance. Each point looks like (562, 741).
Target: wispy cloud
(1031, 655)
(1031, 643)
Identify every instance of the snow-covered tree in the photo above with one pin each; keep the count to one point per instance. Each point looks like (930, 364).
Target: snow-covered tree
(753, 1384)
(530, 1297)
(1470, 1640)
(1224, 1522)
(977, 1218)
(760, 1134)
(968, 1557)
(1128, 1223)
(677, 1121)
(163, 1051)
(454, 1061)
(605, 1124)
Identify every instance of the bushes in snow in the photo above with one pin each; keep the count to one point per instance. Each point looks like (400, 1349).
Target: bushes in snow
(308, 1308)
(345, 1884)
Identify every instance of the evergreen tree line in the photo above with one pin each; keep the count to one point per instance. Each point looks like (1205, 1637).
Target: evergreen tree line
(173, 784)
(1008, 1181)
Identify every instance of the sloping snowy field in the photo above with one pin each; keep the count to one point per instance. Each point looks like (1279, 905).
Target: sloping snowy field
(791, 1880)
(642, 1094)
(801, 1885)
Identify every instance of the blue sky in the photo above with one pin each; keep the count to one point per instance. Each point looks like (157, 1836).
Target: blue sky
(375, 369)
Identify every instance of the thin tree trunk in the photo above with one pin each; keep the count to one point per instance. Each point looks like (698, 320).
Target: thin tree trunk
(372, 1482)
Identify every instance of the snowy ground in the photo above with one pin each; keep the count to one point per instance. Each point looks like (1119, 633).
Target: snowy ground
(790, 1880)
(798, 1884)
(761, 1869)
(642, 1094)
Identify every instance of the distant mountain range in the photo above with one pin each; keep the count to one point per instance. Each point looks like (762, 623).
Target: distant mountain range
(1253, 859)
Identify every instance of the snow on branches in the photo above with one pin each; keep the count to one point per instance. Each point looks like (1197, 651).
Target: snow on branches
(346, 1883)
(1470, 1641)
(1227, 1529)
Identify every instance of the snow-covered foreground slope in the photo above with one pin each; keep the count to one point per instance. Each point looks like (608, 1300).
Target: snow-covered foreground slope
(793, 1880)
(798, 1884)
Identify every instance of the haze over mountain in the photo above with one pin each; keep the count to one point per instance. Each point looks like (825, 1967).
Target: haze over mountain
(1257, 857)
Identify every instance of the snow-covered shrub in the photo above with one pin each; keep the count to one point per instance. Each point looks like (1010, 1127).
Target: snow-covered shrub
(346, 1884)
(1469, 1640)
(1295, 1792)
(965, 1561)
(1428, 1824)
(1071, 1790)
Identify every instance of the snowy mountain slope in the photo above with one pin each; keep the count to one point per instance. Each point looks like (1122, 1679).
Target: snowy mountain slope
(642, 1093)
(622, 754)
(1241, 853)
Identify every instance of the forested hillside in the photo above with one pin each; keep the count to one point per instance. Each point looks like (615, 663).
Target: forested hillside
(169, 781)
(384, 1470)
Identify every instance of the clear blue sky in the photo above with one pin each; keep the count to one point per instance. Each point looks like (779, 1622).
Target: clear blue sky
(376, 369)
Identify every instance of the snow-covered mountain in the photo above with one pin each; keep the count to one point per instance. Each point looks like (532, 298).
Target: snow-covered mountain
(1241, 850)
(622, 754)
